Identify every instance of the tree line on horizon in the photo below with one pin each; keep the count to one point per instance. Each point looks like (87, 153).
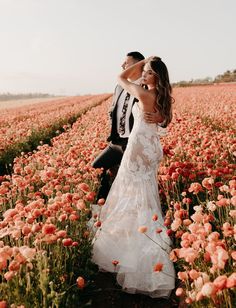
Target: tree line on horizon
(228, 76)
(9, 96)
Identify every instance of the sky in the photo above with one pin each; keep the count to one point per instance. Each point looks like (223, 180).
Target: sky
(76, 47)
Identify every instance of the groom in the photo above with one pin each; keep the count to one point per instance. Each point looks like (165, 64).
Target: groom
(121, 125)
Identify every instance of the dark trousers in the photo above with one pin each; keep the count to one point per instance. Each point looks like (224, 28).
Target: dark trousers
(109, 159)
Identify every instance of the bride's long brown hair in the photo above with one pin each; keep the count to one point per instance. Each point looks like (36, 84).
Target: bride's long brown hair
(164, 89)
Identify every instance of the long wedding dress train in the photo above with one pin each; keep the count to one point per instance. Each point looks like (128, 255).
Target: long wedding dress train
(131, 203)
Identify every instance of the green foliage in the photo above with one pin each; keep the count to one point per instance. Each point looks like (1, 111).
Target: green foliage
(49, 280)
(228, 76)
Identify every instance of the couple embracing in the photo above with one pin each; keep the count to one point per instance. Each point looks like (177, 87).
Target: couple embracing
(142, 106)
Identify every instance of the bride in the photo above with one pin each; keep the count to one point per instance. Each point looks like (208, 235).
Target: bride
(132, 239)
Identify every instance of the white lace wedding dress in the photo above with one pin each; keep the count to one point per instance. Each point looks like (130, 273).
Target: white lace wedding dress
(131, 203)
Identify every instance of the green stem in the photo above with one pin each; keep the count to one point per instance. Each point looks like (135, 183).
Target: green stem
(156, 243)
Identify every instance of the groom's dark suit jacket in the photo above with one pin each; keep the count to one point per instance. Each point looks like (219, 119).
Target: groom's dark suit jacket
(114, 136)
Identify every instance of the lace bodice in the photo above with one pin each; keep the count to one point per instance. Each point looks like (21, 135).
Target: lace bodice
(144, 151)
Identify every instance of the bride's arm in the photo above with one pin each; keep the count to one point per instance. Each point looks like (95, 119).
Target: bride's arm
(134, 71)
(131, 73)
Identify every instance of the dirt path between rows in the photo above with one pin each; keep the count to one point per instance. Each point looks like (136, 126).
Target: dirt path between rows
(108, 294)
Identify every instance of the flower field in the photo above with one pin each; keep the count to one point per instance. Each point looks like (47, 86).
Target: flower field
(198, 183)
(45, 246)
(22, 127)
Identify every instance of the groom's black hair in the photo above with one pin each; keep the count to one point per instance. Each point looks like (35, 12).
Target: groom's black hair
(136, 55)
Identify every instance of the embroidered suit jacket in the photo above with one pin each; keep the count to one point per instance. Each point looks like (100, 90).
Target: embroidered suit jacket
(114, 135)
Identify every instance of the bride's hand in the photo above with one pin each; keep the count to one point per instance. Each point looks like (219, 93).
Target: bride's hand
(152, 58)
(148, 59)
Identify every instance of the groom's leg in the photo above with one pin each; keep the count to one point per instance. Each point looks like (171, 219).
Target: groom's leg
(111, 156)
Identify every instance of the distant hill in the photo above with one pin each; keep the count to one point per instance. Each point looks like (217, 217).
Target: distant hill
(228, 76)
(9, 96)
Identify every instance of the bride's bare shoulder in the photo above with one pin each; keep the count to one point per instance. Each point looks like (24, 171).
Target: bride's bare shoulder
(148, 101)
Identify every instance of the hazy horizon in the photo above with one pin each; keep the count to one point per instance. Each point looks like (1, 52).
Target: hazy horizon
(75, 47)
